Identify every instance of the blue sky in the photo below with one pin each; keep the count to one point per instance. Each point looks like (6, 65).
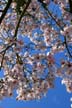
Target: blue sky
(55, 98)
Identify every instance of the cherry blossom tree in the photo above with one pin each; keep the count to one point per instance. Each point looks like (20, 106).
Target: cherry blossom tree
(31, 37)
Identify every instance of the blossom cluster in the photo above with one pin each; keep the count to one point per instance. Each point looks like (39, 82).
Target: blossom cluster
(30, 40)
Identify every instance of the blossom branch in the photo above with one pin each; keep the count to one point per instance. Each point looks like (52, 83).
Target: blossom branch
(16, 30)
(4, 52)
(67, 47)
(44, 6)
(22, 14)
(7, 48)
(2, 59)
(5, 10)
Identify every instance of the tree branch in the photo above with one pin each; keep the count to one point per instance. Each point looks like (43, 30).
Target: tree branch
(6, 48)
(44, 6)
(22, 14)
(16, 30)
(67, 47)
(1, 10)
(5, 10)
(4, 52)
(70, 5)
(2, 59)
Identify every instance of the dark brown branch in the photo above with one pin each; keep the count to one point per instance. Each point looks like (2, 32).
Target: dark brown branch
(44, 6)
(19, 60)
(5, 10)
(2, 59)
(1, 10)
(7, 48)
(67, 47)
(4, 52)
(22, 14)
(70, 5)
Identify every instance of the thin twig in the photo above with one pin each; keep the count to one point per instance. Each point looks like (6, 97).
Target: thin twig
(66, 45)
(7, 48)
